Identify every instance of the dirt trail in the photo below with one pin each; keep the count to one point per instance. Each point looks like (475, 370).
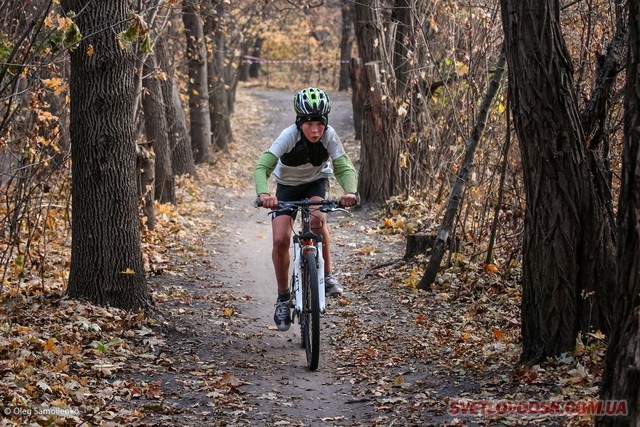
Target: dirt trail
(389, 356)
(265, 369)
(280, 385)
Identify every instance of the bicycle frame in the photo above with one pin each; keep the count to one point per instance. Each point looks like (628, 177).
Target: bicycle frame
(303, 243)
(307, 278)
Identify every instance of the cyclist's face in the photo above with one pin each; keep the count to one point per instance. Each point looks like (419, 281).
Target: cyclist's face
(313, 130)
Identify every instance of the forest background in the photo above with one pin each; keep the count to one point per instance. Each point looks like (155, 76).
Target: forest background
(533, 216)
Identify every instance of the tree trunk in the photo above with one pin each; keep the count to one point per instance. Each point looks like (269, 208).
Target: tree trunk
(357, 95)
(106, 254)
(254, 67)
(179, 142)
(155, 125)
(380, 154)
(245, 65)
(418, 244)
(198, 87)
(628, 219)
(568, 249)
(402, 14)
(219, 108)
(455, 197)
(145, 164)
(621, 379)
(395, 153)
(595, 112)
(346, 44)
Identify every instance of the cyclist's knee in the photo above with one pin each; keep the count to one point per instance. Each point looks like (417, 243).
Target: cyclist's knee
(281, 243)
(317, 224)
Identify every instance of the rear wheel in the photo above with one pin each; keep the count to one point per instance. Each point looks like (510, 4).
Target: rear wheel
(310, 316)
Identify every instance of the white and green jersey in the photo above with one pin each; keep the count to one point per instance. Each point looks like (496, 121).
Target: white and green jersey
(294, 160)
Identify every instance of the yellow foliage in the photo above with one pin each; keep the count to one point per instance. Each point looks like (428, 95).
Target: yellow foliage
(461, 68)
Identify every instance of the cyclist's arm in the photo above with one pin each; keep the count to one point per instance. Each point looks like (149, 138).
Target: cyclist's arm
(264, 167)
(345, 173)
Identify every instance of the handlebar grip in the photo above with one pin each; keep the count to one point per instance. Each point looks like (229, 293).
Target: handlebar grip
(257, 203)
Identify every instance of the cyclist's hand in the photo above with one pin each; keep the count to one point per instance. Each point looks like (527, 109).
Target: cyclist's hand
(268, 201)
(349, 200)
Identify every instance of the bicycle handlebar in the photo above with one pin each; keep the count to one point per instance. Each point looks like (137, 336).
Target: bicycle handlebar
(326, 205)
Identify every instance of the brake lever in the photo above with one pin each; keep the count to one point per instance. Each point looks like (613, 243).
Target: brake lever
(336, 209)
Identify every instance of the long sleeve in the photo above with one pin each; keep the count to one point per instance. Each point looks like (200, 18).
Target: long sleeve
(264, 167)
(345, 173)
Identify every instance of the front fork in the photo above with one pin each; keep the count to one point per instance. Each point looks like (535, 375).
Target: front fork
(298, 250)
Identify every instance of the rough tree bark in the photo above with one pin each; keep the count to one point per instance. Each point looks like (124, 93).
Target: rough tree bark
(218, 105)
(346, 44)
(155, 125)
(621, 379)
(402, 16)
(106, 254)
(179, 141)
(145, 165)
(357, 95)
(568, 271)
(200, 121)
(595, 112)
(381, 150)
(394, 151)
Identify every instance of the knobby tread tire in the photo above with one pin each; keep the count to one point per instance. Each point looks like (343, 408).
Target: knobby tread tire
(310, 316)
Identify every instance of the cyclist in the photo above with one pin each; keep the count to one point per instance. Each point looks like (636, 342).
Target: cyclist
(299, 161)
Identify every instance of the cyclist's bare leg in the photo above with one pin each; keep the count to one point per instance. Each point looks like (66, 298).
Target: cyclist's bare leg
(281, 230)
(326, 244)
(319, 226)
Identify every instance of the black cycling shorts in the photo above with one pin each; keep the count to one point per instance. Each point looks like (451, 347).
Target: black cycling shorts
(288, 193)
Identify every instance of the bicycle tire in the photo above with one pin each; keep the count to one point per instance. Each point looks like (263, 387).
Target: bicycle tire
(310, 316)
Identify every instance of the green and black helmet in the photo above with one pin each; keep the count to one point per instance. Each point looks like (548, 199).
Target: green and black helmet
(312, 102)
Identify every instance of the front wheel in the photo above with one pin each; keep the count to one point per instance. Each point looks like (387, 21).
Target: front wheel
(310, 316)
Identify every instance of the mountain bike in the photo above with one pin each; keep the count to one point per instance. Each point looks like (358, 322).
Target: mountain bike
(307, 278)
